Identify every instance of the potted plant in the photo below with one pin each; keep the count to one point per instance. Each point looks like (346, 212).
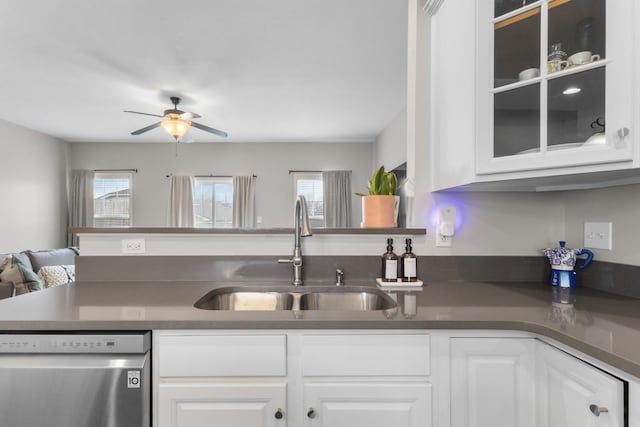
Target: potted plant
(380, 206)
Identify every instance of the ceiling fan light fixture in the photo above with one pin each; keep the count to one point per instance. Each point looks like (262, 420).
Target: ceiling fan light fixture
(175, 126)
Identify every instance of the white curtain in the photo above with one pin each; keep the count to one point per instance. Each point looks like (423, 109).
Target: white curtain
(80, 210)
(181, 202)
(244, 211)
(337, 198)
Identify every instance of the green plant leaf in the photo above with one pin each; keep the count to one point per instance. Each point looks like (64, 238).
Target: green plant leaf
(392, 181)
(376, 181)
(382, 183)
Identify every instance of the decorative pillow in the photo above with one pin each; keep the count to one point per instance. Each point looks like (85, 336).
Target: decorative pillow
(71, 272)
(56, 275)
(39, 259)
(5, 261)
(25, 279)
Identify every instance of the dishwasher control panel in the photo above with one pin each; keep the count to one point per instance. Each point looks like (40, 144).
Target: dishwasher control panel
(72, 343)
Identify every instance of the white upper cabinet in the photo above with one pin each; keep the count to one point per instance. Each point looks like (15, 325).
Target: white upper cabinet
(554, 84)
(532, 90)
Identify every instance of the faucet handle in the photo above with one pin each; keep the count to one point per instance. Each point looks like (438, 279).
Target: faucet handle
(339, 277)
(285, 261)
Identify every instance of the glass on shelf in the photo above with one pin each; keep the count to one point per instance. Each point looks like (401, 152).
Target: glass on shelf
(516, 127)
(557, 59)
(576, 108)
(517, 48)
(579, 27)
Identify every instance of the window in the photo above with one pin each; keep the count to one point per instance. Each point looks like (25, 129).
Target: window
(112, 199)
(309, 184)
(213, 202)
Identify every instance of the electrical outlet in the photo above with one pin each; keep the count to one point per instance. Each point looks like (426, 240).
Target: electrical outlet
(598, 235)
(446, 227)
(133, 246)
(443, 241)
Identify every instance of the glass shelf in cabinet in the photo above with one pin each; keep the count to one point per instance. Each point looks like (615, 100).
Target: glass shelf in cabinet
(521, 6)
(577, 69)
(516, 85)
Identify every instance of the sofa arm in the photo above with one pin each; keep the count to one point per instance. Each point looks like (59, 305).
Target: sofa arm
(7, 289)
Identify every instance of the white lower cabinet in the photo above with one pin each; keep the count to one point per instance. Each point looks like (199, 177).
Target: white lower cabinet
(526, 382)
(222, 404)
(342, 378)
(492, 382)
(382, 379)
(572, 393)
(366, 380)
(374, 404)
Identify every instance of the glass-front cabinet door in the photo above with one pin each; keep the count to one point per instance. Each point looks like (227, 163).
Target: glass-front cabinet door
(554, 84)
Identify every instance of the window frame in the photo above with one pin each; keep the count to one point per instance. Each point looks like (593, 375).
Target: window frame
(316, 221)
(114, 175)
(213, 180)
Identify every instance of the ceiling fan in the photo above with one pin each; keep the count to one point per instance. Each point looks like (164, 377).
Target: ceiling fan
(176, 122)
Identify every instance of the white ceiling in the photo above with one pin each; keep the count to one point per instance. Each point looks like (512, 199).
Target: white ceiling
(262, 70)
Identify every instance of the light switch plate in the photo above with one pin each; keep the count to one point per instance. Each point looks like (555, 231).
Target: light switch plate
(598, 235)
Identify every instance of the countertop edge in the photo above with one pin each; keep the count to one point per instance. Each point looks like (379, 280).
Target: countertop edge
(510, 325)
(243, 231)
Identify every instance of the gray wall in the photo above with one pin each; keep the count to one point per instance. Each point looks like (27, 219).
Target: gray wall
(619, 205)
(390, 146)
(271, 162)
(34, 200)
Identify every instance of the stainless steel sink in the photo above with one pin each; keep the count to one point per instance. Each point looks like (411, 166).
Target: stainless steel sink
(274, 298)
(239, 298)
(354, 298)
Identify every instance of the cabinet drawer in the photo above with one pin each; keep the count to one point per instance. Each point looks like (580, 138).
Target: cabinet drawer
(222, 355)
(356, 355)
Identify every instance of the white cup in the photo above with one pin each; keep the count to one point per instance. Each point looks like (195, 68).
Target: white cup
(581, 58)
(529, 73)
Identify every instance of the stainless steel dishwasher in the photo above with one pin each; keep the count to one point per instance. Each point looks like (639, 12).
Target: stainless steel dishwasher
(75, 380)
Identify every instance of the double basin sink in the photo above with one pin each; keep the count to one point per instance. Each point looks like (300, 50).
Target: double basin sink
(278, 298)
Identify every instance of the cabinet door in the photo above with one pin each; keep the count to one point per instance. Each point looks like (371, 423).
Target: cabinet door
(492, 382)
(222, 404)
(379, 404)
(568, 387)
(552, 74)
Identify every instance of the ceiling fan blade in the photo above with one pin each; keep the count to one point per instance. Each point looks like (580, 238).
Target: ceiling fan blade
(144, 114)
(189, 116)
(146, 129)
(209, 129)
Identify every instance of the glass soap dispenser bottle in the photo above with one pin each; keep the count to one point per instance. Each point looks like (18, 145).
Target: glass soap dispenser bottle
(389, 264)
(409, 264)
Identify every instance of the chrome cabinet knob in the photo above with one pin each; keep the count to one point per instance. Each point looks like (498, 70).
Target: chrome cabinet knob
(622, 132)
(339, 277)
(279, 415)
(597, 410)
(312, 413)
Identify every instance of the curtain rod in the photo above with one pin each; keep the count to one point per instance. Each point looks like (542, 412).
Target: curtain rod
(116, 170)
(310, 171)
(210, 176)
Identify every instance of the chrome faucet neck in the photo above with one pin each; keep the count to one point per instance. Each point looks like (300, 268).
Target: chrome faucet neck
(301, 228)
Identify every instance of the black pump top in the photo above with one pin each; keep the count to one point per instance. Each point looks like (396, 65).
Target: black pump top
(408, 243)
(389, 245)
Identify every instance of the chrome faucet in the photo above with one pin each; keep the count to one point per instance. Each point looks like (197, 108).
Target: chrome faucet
(301, 228)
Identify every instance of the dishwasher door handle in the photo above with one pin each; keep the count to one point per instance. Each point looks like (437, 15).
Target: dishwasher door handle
(73, 361)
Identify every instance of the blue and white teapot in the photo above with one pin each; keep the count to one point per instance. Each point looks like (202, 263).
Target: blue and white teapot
(563, 260)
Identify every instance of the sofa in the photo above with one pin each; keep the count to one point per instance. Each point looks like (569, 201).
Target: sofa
(30, 271)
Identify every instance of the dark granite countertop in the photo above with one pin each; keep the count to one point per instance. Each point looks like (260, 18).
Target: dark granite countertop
(603, 325)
